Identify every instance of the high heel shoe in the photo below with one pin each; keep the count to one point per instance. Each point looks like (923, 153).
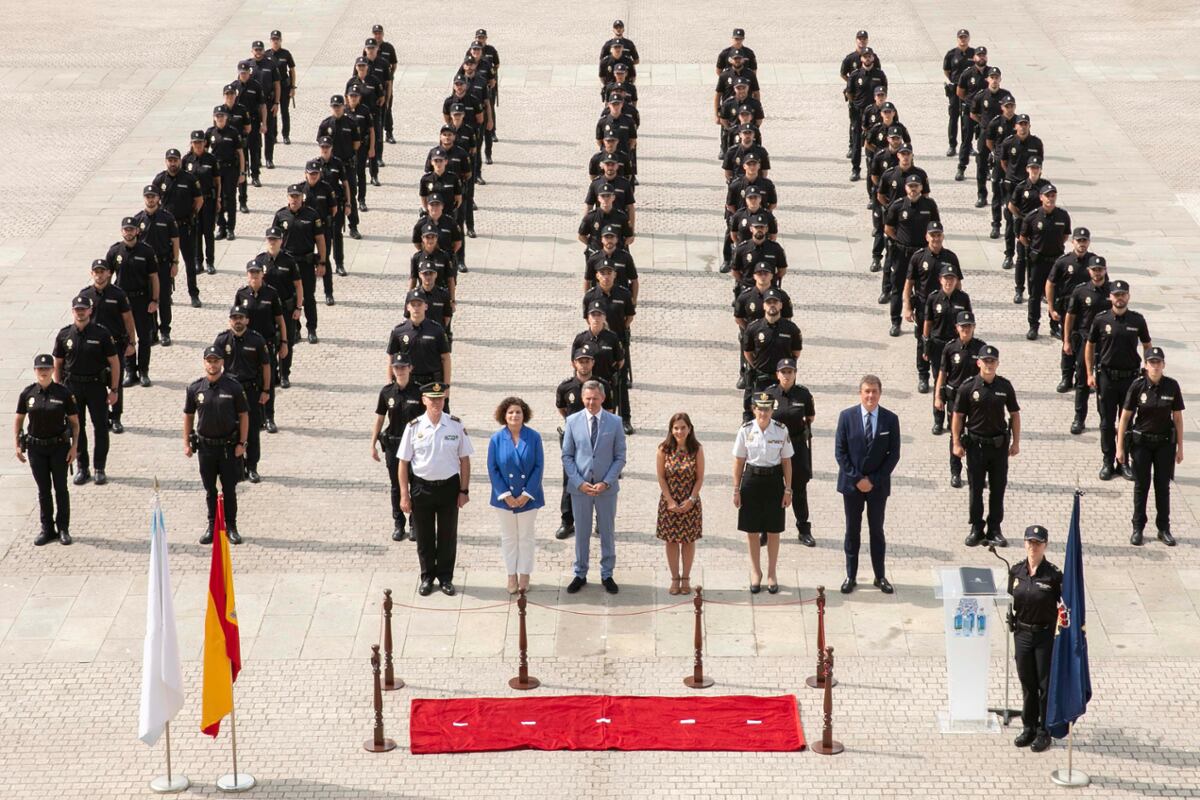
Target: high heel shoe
(674, 586)
(512, 584)
(685, 586)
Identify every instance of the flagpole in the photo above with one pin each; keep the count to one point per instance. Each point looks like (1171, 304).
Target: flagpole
(170, 784)
(236, 782)
(1070, 777)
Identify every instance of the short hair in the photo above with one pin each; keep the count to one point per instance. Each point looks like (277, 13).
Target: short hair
(509, 402)
(593, 386)
(870, 380)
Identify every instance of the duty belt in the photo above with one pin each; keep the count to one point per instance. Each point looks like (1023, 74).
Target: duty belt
(1025, 626)
(61, 438)
(754, 470)
(1120, 374)
(86, 378)
(1152, 438)
(207, 442)
(986, 441)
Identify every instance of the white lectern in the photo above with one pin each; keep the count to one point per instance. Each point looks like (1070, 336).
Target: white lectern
(969, 622)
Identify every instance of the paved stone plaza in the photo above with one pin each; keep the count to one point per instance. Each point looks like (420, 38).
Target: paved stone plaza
(124, 84)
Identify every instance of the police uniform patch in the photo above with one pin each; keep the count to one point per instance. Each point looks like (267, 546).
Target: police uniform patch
(1108, 328)
(1070, 269)
(751, 307)
(1039, 226)
(570, 397)
(163, 186)
(142, 226)
(404, 338)
(975, 395)
(762, 337)
(120, 259)
(938, 308)
(69, 343)
(1143, 397)
(1087, 301)
(190, 167)
(200, 398)
(228, 349)
(903, 215)
(957, 358)
(391, 402)
(285, 224)
(31, 401)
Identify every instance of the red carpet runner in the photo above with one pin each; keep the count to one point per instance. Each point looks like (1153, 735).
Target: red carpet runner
(602, 722)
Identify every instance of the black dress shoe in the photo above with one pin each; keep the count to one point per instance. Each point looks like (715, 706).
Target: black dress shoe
(233, 236)
(1127, 472)
(1018, 297)
(855, 176)
(285, 383)
(115, 426)
(1007, 263)
(564, 532)
(287, 140)
(1166, 538)
(610, 585)
(480, 181)
(806, 539)
(233, 536)
(210, 269)
(628, 426)
(1076, 426)
(101, 478)
(1041, 742)
(243, 208)
(576, 584)
(849, 153)
(195, 299)
(375, 182)
(398, 533)
(995, 234)
(131, 379)
(725, 268)
(256, 183)
(463, 268)
(997, 538)
(894, 331)
(848, 585)
(362, 206)
(269, 164)
(981, 202)
(272, 427)
(1031, 334)
(391, 139)
(82, 476)
(448, 588)
(772, 588)
(44, 538)
(354, 234)
(876, 265)
(221, 234)
(960, 174)
(922, 384)
(1136, 537)
(312, 337)
(426, 587)
(937, 429)
(1106, 472)
(207, 537)
(741, 382)
(64, 536)
(884, 298)
(340, 270)
(883, 586)
(165, 340)
(974, 538)
(1025, 737)
(471, 233)
(951, 151)
(1064, 386)
(253, 476)
(487, 159)
(955, 481)
(755, 588)
(329, 301)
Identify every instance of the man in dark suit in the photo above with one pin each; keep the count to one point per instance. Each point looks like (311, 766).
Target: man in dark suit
(867, 449)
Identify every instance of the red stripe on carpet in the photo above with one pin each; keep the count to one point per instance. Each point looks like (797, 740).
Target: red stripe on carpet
(603, 722)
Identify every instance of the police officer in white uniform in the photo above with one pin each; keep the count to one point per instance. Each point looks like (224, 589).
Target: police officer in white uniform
(437, 448)
(762, 481)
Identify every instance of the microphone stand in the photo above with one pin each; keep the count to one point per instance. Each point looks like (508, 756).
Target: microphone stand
(1005, 713)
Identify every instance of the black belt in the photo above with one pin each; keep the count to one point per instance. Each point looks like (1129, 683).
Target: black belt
(999, 440)
(1152, 438)
(85, 378)
(52, 441)
(207, 442)
(1025, 626)
(1120, 374)
(136, 295)
(755, 470)
(424, 482)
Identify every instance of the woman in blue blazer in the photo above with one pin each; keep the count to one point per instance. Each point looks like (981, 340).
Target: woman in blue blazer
(515, 465)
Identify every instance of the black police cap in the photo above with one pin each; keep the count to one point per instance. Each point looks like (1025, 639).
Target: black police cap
(481, 32)
(965, 318)
(99, 263)
(772, 294)
(429, 229)
(1156, 354)
(861, 35)
(1118, 287)
(620, 66)
(1097, 262)
(416, 295)
(245, 65)
(610, 230)
(981, 51)
(763, 266)
(914, 180)
(426, 266)
(362, 61)
(993, 72)
(325, 141)
(582, 352)
(1036, 533)
(905, 148)
(752, 191)
(934, 227)
(172, 153)
(257, 44)
(220, 111)
(198, 136)
(150, 189)
(81, 302)
(988, 352)
(337, 100)
(295, 189)
(354, 91)
(1049, 188)
(947, 270)
(274, 233)
(237, 311)
(606, 266)
(276, 34)
(376, 28)
(606, 188)
(596, 308)
(963, 32)
(609, 158)
(618, 23)
(1021, 119)
(785, 363)
(435, 198)
(312, 165)
(371, 42)
(43, 361)
(447, 129)
(438, 154)
(458, 108)
(401, 360)
(1081, 233)
(253, 266)
(888, 106)
(212, 352)
(128, 222)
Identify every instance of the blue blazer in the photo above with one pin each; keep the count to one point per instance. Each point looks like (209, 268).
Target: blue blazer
(516, 468)
(581, 463)
(856, 461)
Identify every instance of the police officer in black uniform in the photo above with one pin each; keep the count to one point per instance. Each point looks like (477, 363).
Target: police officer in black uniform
(438, 305)
(266, 70)
(340, 177)
(985, 105)
(227, 147)
(48, 445)
(1113, 362)
(1044, 234)
(201, 164)
(216, 424)
(1036, 588)
(626, 273)
(568, 399)
(987, 440)
(971, 79)
(265, 316)
(942, 313)
(1002, 126)
(136, 269)
(905, 223)
(282, 273)
(1069, 271)
(248, 361)
(286, 64)
(921, 281)
(303, 230)
(326, 201)
(794, 408)
(765, 342)
(181, 194)
(860, 93)
(606, 216)
(111, 310)
(619, 309)
(158, 229)
(957, 59)
(399, 404)
(86, 362)
(1024, 198)
(423, 341)
(355, 169)
(960, 363)
(604, 346)
(1087, 300)
(750, 305)
(1152, 425)
(387, 51)
(253, 98)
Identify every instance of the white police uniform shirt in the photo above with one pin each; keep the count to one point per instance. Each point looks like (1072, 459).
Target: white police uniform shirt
(435, 451)
(763, 448)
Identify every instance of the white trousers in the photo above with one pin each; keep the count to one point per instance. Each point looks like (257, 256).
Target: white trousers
(516, 540)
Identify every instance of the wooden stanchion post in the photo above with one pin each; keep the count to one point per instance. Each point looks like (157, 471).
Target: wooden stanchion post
(698, 680)
(817, 681)
(390, 681)
(828, 746)
(523, 681)
(377, 743)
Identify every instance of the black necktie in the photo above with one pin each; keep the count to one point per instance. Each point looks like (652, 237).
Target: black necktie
(595, 430)
(868, 434)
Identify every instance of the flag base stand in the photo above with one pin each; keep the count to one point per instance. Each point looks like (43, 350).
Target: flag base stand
(235, 783)
(1070, 777)
(173, 785)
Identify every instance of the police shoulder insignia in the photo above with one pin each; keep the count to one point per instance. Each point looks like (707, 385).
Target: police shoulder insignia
(414, 422)
(456, 419)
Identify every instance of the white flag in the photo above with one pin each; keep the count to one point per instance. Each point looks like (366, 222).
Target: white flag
(162, 676)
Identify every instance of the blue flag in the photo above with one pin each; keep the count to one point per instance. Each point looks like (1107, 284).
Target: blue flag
(1070, 681)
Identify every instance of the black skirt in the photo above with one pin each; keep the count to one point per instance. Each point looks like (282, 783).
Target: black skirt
(762, 503)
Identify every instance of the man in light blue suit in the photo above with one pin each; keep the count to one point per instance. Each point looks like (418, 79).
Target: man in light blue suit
(593, 455)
